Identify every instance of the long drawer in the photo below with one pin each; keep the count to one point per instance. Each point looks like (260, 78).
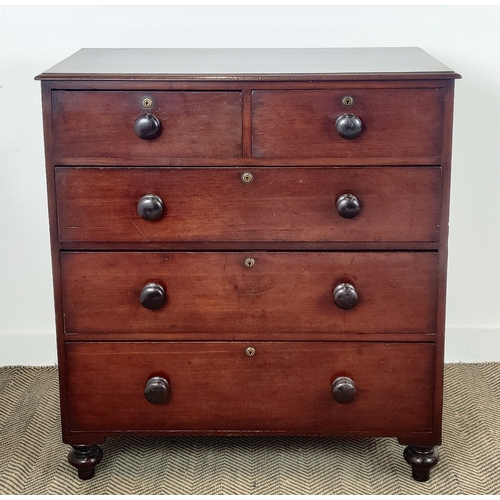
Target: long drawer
(277, 204)
(400, 123)
(283, 387)
(103, 124)
(279, 292)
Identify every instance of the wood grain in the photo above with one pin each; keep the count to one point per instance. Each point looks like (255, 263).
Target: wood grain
(285, 387)
(281, 127)
(100, 124)
(212, 292)
(301, 124)
(280, 205)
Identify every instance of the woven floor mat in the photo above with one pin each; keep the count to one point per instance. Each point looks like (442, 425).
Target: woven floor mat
(33, 458)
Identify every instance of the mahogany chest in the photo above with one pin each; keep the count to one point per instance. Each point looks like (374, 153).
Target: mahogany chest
(249, 242)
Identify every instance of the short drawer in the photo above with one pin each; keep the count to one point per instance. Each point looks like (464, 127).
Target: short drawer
(278, 204)
(100, 124)
(405, 124)
(283, 387)
(279, 292)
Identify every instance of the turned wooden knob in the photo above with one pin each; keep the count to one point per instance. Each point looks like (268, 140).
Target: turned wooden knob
(156, 390)
(344, 390)
(348, 206)
(147, 126)
(152, 296)
(150, 207)
(345, 296)
(348, 126)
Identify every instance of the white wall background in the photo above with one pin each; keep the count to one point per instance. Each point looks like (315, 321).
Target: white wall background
(467, 39)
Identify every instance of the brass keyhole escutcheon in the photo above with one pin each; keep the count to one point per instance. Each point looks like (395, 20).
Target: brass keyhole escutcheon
(147, 102)
(347, 100)
(247, 177)
(249, 262)
(250, 351)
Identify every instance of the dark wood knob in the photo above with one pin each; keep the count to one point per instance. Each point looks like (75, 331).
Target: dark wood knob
(156, 390)
(152, 296)
(344, 390)
(348, 126)
(348, 206)
(345, 296)
(150, 207)
(147, 126)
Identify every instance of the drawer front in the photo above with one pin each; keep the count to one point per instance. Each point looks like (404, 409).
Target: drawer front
(101, 124)
(214, 292)
(284, 387)
(279, 204)
(401, 123)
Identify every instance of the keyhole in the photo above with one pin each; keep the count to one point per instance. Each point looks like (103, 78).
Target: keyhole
(247, 177)
(347, 100)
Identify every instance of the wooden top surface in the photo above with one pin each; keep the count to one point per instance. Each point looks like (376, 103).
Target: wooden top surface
(241, 64)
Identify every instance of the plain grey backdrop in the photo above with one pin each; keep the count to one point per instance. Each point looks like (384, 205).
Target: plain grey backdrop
(467, 39)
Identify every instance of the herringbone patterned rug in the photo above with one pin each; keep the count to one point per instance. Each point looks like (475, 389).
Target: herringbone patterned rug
(33, 459)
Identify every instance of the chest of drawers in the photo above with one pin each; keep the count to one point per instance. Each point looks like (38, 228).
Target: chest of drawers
(249, 242)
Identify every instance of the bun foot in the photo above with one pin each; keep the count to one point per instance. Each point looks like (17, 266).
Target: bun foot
(422, 459)
(85, 458)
